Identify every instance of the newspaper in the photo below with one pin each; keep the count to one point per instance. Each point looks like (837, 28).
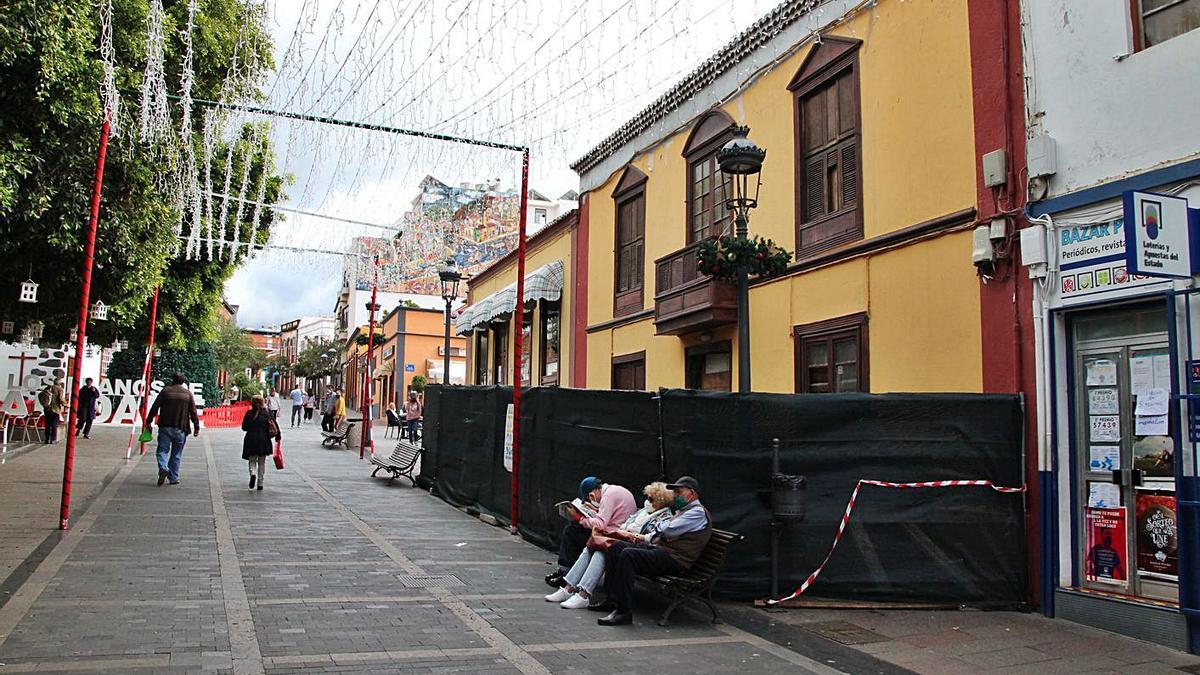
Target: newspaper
(568, 510)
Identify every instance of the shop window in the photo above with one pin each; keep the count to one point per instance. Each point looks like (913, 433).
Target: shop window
(481, 357)
(629, 372)
(526, 347)
(831, 356)
(629, 267)
(709, 367)
(707, 187)
(500, 353)
(1156, 21)
(829, 154)
(551, 334)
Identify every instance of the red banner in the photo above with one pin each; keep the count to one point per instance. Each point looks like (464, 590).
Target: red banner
(1106, 551)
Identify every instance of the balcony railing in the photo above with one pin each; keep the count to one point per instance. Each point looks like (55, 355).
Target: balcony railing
(688, 301)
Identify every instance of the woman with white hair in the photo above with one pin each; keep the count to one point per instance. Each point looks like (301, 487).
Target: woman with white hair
(583, 577)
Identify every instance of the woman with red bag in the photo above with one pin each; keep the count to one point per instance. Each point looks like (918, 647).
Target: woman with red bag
(260, 429)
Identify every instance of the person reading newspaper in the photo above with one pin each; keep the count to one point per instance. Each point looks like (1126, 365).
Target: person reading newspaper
(613, 503)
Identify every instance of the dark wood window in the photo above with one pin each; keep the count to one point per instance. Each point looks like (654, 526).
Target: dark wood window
(831, 356)
(526, 347)
(828, 148)
(629, 371)
(709, 367)
(1156, 21)
(707, 187)
(551, 340)
(481, 357)
(500, 353)
(630, 267)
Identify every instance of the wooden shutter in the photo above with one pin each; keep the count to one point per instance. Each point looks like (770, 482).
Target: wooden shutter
(849, 169)
(814, 188)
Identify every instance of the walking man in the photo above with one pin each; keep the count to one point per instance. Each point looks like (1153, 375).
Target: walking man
(85, 410)
(174, 407)
(53, 401)
(297, 396)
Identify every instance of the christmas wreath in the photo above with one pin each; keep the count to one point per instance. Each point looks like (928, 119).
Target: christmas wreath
(721, 257)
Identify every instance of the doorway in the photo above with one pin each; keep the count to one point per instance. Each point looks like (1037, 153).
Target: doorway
(1124, 504)
(709, 367)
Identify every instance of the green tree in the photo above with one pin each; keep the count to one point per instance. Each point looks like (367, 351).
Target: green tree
(233, 349)
(49, 121)
(319, 358)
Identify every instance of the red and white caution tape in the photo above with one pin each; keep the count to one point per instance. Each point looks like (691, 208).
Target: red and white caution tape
(885, 484)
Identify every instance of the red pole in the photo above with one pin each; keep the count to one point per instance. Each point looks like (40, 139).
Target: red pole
(367, 368)
(89, 253)
(149, 363)
(519, 312)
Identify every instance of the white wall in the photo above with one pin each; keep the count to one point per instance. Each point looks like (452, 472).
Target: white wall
(1110, 118)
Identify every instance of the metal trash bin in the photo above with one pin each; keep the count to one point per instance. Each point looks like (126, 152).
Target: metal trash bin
(787, 497)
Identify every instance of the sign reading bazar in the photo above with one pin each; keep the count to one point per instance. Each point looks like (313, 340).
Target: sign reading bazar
(1158, 235)
(1091, 260)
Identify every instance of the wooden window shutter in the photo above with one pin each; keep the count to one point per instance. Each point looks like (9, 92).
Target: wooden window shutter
(849, 169)
(814, 188)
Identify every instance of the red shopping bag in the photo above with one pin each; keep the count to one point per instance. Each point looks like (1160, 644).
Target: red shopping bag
(278, 454)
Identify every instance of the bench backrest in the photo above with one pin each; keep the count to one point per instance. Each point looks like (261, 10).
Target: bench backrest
(712, 558)
(404, 454)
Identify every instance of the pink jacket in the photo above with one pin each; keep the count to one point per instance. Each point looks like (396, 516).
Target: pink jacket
(616, 505)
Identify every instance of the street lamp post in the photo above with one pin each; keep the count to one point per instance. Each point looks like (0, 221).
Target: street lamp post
(741, 160)
(450, 276)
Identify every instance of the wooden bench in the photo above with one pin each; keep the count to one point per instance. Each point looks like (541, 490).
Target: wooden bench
(402, 462)
(700, 578)
(339, 436)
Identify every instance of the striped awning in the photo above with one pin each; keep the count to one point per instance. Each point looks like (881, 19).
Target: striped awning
(544, 283)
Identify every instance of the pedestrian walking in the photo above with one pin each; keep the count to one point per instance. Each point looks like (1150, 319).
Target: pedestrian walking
(260, 430)
(85, 408)
(412, 415)
(297, 396)
(327, 410)
(310, 404)
(53, 401)
(273, 405)
(174, 407)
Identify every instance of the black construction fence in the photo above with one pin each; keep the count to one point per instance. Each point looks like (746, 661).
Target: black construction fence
(962, 545)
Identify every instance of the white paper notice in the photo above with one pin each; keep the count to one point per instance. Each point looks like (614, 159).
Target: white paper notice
(1104, 495)
(1152, 402)
(1141, 374)
(1102, 402)
(1101, 372)
(1105, 458)
(1162, 371)
(1105, 428)
(1150, 425)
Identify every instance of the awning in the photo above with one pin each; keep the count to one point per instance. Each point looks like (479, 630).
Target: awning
(544, 283)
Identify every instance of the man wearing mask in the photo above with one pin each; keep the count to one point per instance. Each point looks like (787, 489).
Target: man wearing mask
(86, 410)
(669, 548)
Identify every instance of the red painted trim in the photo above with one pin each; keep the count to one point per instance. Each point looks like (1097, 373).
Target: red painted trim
(579, 295)
(1006, 311)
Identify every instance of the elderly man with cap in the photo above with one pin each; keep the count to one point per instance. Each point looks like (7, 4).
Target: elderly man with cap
(669, 548)
(616, 504)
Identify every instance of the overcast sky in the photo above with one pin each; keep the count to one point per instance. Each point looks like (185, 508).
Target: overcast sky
(557, 75)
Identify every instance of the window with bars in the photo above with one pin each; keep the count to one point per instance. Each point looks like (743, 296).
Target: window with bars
(831, 356)
(828, 157)
(630, 246)
(1156, 21)
(629, 372)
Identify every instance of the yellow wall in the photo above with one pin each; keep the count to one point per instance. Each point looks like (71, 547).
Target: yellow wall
(918, 154)
(556, 247)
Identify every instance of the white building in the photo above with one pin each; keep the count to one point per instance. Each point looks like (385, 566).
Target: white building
(1112, 105)
(351, 312)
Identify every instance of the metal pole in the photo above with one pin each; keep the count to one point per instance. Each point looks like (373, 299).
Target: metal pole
(89, 253)
(149, 363)
(776, 526)
(368, 387)
(518, 315)
(743, 311)
(446, 347)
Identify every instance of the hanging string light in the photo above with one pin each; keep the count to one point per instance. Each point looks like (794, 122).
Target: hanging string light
(108, 85)
(155, 118)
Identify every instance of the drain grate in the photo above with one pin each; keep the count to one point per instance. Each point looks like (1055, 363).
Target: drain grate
(430, 581)
(844, 632)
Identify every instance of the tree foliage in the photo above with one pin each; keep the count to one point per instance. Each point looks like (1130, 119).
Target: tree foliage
(233, 350)
(197, 365)
(318, 359)
(49, 127)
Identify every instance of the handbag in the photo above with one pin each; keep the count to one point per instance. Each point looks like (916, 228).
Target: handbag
(146, 436)
(599, 542)
(278, 454)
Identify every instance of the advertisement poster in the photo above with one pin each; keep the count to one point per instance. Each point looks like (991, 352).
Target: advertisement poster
(1101, 373)
(508, 439)
(1103, 402)
(1105, 458)
(1155, 455)
(1105, 562)
(1105, 428)
(1157, 551)
(1193, 409)
(1103, 495)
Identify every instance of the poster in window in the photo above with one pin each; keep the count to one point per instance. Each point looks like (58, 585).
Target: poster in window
(1103, 401)
(1104, 458)
(1105, 428)
(1101, 372)
(1157, 545)
(1105, 559)
(1155, 455)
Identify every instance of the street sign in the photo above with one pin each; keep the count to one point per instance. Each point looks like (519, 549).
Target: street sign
(410, 367)
(1158, 235)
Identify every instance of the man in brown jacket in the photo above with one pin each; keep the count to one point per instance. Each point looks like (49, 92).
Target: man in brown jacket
(669, 548)
(53, 400)
(174, 407)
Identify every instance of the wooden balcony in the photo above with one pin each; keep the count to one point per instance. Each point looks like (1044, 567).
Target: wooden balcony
(688, 301)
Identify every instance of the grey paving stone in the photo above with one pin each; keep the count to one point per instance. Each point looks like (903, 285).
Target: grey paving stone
(359, 627)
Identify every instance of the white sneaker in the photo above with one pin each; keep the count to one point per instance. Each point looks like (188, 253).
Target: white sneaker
(558, 596)
(576, 601)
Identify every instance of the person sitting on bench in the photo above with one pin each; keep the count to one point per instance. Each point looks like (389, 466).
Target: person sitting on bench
(588, 570)
(616, 504)
(668, 549)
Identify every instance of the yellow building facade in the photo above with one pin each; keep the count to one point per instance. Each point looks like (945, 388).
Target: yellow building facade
(869, 178)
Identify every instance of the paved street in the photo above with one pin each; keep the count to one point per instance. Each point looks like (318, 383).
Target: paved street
(329, 571)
